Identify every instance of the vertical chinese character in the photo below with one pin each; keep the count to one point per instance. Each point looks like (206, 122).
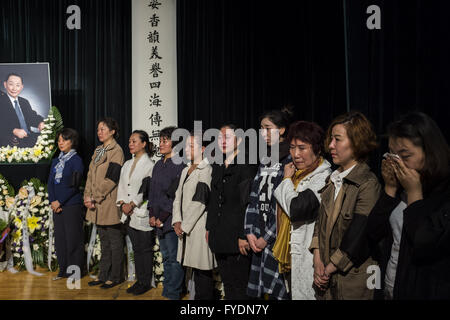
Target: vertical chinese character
(155, 100)
(155, 70)
(155, 54)
(155, 118)
(154, 4)
(155, 133)
(155, 85)
(154, 20)
(153, 37)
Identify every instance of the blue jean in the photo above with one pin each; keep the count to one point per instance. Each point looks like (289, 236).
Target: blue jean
(173, 271)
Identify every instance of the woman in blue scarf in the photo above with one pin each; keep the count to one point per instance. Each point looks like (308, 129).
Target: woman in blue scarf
(67, 203)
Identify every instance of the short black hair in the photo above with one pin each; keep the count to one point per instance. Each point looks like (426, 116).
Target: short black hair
(15, 75)
(425, 133)
(281, 118)
(167, 133)
(309, 132)
(69, 134)
(111, 124)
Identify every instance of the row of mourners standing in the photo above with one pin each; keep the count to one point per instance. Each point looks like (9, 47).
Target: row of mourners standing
(297, 228)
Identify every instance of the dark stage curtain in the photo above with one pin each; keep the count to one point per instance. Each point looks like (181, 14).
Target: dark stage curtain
(237, 58)
(403, 67)
(90, 69)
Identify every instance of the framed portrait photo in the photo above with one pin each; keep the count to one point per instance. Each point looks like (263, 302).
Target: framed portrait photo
(25, 100)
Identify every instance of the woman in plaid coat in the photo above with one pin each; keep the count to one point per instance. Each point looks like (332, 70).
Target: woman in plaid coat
(261, 216)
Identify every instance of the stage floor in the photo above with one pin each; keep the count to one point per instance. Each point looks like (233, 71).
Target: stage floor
(25, 286)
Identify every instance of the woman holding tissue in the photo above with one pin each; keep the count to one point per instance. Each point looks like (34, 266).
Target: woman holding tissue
(131, 195)
(411, 220)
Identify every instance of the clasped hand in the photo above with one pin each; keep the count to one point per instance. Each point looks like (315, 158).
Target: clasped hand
(155, 222)
(256, 244)
(56, 206)
(89, 203)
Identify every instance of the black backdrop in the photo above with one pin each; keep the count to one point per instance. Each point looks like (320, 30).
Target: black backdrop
(239, 57)
(90, 69)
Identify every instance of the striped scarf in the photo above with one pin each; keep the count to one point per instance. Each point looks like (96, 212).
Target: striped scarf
(59, 168)
(100, 152)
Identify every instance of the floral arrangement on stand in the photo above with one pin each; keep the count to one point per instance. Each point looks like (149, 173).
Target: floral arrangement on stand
(6, 194)
(38, 224)
(44, 148)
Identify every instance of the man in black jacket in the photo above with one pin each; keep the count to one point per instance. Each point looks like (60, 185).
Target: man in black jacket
(20, 125)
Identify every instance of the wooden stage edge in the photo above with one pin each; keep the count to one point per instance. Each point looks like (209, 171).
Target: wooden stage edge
(25, 286)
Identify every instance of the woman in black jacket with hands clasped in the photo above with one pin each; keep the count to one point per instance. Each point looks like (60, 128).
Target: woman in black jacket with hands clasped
(230, 189)
(411, 220)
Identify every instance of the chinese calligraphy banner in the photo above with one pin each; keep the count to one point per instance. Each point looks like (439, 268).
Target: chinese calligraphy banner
(154, 66)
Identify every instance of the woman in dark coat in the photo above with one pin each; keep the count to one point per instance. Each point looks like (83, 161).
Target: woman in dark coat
(67, 203)
(411, 220)
(230, 189)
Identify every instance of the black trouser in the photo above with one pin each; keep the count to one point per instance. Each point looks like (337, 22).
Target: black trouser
(69, 239)
(111, 246)
(204, 284)
(143, 242)
(234, 270)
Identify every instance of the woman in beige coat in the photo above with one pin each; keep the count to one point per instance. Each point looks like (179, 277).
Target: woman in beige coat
(189, 220)
(100, 197)
(339, 244)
